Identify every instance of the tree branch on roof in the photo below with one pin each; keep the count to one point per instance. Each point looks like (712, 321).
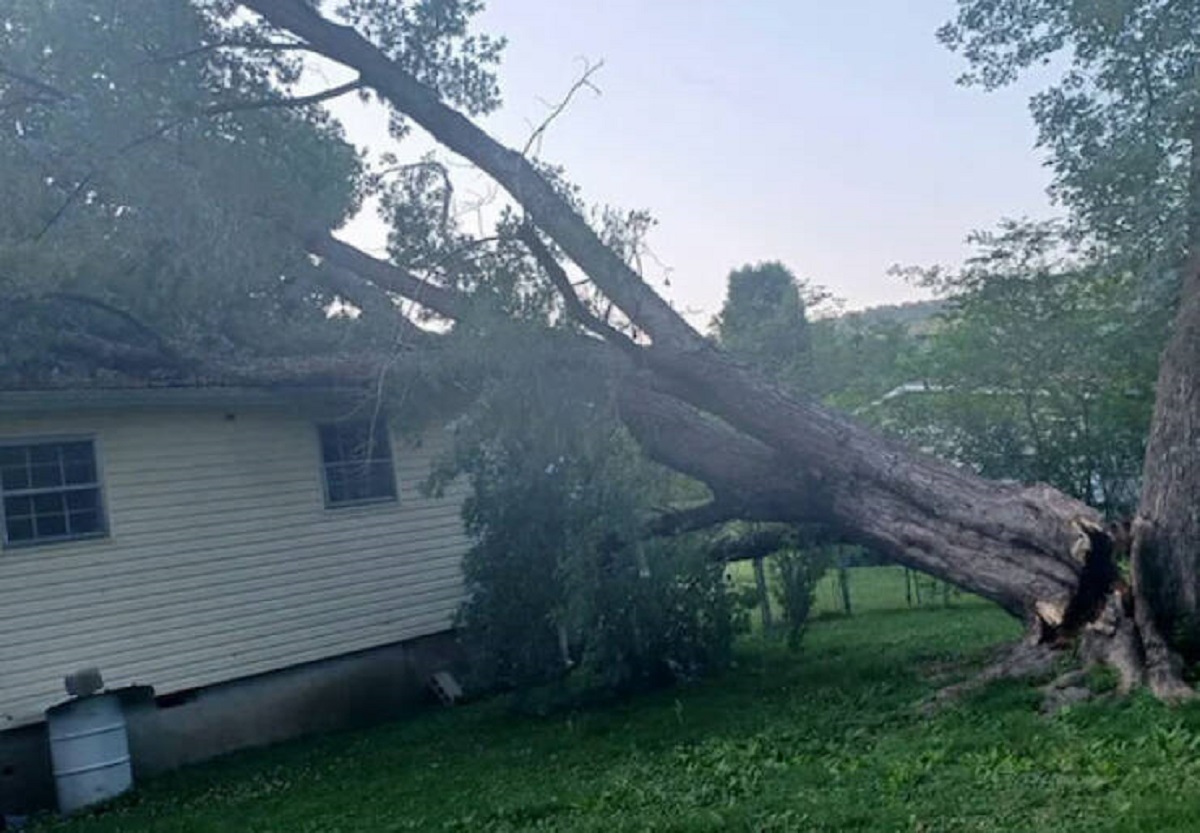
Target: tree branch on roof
(575, 307)
(220, 109)
(30, 81)
(249, 45)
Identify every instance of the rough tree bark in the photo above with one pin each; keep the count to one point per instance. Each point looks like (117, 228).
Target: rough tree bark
(1166, 532)
(1034, 551)
(1167, 529)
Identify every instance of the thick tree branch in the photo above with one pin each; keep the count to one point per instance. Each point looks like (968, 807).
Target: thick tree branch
(749, 480)
(516, 174)
(374, 301)
(281, 101)
(445, 302)
(754, 545)
(260, 46)
(35, 83)
(575, 307)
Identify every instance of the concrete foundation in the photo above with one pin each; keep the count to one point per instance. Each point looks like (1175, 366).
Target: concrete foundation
(180, 728)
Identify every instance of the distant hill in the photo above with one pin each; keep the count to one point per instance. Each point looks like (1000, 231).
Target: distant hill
(915, 316)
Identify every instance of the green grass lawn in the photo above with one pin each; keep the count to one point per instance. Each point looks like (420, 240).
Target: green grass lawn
(826, 739)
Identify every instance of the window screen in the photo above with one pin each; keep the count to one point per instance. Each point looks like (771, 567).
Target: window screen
(50, 491)
(357, 460)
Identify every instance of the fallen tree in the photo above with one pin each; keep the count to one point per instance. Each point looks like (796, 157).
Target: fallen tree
(1036, 552)
(767, 455)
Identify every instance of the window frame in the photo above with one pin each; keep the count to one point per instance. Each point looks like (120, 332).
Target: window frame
(382, 424)
(105, 527)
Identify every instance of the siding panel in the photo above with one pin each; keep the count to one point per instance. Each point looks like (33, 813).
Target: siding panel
(223, 560)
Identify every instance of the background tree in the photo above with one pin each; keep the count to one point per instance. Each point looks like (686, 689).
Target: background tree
(763, 321)
(1119, 123)
(859, 357)
(1122, 129)
(1040, 368)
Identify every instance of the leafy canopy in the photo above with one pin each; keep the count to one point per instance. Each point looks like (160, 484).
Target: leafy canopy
(159, 156)
(1040, 368)
(763, 321)
(1120, 124)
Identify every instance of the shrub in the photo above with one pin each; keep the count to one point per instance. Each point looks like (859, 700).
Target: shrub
(564, 600)
(797, 573)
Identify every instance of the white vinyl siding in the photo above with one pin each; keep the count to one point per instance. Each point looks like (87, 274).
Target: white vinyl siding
(222, 560)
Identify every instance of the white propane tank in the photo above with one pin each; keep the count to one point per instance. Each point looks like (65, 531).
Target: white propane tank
(89, 750)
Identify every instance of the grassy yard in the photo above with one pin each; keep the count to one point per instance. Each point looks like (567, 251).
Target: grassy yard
(827, 739)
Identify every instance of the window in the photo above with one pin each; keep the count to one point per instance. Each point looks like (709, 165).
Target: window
(50, 491)
(357, 460)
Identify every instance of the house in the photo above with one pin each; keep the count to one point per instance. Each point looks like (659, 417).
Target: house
(253, 561)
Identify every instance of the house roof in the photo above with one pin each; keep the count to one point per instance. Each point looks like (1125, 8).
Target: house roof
(84, 359)
(68, 376)
(68, 342)
(173, 397)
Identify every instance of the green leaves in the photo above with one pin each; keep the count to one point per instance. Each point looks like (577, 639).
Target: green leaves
(763, 322)
(153, 155)
(1119, 124)
(133, 186)
(567, 600)
(431, 39)
(1041, 369)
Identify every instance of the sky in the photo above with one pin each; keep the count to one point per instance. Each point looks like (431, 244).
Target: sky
(830, 136)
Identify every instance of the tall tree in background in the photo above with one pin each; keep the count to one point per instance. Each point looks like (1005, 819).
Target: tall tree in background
(763, 321)
(1040, 367)
(1122, 129)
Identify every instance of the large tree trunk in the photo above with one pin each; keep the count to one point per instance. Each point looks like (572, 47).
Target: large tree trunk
(1167, 531)
(1034, 551)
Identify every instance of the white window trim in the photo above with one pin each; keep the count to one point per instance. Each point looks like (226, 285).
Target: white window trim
(338, 506)
(105, 531)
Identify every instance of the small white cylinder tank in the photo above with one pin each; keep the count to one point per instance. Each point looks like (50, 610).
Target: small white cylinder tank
(89, 750)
